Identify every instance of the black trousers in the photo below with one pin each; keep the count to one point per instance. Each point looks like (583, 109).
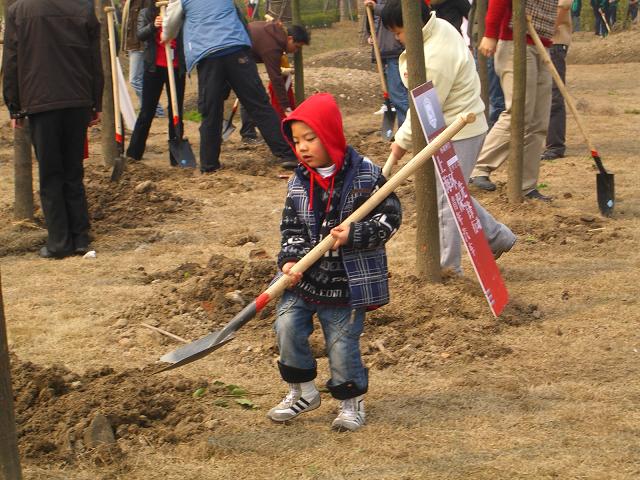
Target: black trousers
(152, 85)
(558, 118)
(238, 71)
(58, 137)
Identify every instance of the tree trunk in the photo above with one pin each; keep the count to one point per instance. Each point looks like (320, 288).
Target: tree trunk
(22, 170)
(516, 146)
(483, 73)
(22, 173)
(297, 58)
(107, 125)
(343, 10)
(9, 456)
(427, 230)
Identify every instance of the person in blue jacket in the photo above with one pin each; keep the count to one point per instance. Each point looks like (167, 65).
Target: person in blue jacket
(217, 43)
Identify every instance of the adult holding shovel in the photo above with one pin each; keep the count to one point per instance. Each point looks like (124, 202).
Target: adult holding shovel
(388, 110)
(158, 59)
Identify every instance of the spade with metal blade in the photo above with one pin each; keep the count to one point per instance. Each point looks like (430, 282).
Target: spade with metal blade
(179, 147)
(214, 340)
(389, 115)
(120, 161)
(227, 127)
(604, 180)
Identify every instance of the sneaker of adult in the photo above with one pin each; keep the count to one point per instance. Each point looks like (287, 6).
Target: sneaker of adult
(287, 162)
(293, 404)
(351, 416)
(536, 195)
(504, 243)
(550, 155)
(381, 110)
(46, 253)
(483, 183)
(252, 140)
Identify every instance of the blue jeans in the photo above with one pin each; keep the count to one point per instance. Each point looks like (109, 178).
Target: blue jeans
(341, 326)
(397, 90)
(496, 95)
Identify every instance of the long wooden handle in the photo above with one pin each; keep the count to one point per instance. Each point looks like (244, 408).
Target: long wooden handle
(170, 72)
(388, 166)
(604, 19)
(114, 72)
(559, 83)
(376, 50)
(372, 202)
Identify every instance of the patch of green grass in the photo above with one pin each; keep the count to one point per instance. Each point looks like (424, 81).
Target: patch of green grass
(542, 185)
(193, 115)
(633, 111)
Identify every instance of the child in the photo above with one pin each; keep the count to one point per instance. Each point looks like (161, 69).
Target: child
(329, 184)
(156, 77)
(451, 68)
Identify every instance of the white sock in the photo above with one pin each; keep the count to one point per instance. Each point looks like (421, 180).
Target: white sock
(309, 389)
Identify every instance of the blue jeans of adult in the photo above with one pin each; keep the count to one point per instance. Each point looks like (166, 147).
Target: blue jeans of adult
(136, 74)
(496, 95)
(341, 325)
(397, 91)
(575, 21)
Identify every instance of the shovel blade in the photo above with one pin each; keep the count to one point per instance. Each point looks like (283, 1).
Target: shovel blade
(388, 121)
(118, 168)
(193, 351)
(182, 153)
(606, 193)
(227, 130)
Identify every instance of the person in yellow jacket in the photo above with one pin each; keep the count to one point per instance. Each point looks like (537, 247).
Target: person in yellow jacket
(451, 67)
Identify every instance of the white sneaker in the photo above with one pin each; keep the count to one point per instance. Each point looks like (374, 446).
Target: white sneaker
(351, 416)
(294, 404)
(382, 110)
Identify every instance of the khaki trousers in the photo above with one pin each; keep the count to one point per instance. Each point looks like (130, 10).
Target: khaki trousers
(536, 117)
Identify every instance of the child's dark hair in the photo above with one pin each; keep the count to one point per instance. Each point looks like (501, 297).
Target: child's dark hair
(392, 13)
(299, 34)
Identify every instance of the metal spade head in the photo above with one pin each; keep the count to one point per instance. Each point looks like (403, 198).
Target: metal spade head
(118, 168)
(606, 193)
(604, 187)
(182, 152)
(388, 121)
(193, 351)
(227, 129)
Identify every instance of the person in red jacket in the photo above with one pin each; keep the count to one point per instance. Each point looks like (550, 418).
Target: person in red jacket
(498, 42)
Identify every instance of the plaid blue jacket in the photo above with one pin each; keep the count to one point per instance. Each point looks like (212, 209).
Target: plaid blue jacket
(365, 260)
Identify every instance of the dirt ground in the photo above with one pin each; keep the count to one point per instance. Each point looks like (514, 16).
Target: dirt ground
(549, 390)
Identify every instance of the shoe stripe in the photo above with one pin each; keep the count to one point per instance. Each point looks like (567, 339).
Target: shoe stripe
(293, 407)
(306, 404)
(301, 406)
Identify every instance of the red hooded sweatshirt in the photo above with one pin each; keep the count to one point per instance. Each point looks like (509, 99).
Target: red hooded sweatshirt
(322, 114)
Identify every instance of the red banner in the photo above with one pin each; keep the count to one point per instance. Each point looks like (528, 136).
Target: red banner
(455, 186)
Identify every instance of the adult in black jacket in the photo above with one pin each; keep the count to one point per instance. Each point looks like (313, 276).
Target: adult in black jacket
(156, 78)
(53, 76)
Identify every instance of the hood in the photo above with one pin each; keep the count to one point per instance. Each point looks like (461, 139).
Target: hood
(322, 114)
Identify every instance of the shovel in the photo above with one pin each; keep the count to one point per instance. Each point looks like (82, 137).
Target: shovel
(214, 340)
(120, 161)
(604, 180)
(389, 116)
(227, 127)
(179, 147)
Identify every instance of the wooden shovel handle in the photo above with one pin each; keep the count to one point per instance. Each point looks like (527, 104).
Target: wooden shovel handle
(372, 202)
(376, 50)
(388, 166)
(114, 72)
(170, 72)
(559, 83)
